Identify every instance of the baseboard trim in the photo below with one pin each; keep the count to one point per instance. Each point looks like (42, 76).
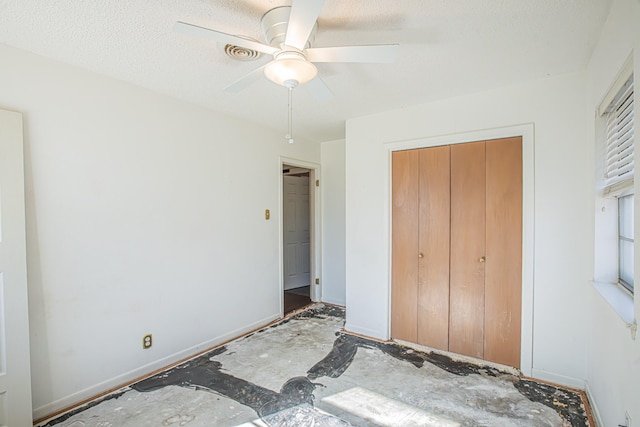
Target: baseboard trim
(558, 379)
(68, 403)
(332, 301)
(365, 332)
(594, 407)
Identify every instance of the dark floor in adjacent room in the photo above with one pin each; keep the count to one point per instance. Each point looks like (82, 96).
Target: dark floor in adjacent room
(303, 371)
(295, 299)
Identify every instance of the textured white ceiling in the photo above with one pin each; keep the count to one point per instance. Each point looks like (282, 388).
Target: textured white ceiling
(447, 48)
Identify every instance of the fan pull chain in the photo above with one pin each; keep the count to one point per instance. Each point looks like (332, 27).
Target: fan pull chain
(289, 135)
(290, 84)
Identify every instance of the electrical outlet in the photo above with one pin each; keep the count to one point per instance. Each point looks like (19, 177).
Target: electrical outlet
(627, 419)
(147, 340)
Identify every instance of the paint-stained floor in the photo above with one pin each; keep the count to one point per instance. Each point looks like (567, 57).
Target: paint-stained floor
(304, 372)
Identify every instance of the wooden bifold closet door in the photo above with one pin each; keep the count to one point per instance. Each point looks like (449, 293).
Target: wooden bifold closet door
(456, 248)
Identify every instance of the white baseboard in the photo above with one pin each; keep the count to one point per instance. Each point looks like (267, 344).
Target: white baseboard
(558, 379)
(349, 327)
(341, 303)
(127, 377)
(594, 407)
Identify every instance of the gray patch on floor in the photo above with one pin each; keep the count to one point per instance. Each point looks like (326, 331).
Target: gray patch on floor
(303, 372)
(169, 406)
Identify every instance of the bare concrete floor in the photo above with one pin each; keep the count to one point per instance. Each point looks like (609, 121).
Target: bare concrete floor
(304, 372)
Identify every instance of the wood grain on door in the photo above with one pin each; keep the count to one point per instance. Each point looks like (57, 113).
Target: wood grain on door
(466, 318)
(434, 237)
(503, 268)
(405, 246)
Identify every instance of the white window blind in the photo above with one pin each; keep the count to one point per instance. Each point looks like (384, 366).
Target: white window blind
(619, 160)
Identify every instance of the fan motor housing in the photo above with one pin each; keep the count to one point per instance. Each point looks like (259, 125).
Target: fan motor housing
(274, 25)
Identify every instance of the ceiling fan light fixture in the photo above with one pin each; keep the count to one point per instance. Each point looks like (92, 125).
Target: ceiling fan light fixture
(290, 66)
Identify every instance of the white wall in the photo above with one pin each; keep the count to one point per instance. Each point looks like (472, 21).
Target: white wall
(613, 373)
(333, 222)
(143, 213)
(555, 107)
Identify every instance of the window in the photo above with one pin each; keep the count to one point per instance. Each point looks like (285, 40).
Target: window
(619, 140)
(625, 241)
(619, 175)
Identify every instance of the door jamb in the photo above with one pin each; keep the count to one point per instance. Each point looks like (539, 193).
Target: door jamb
(16, 405)
(315, 230)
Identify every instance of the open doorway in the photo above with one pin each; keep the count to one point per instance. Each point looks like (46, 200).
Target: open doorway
(296, 239)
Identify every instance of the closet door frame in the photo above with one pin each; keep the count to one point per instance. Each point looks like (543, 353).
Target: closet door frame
(525, 131)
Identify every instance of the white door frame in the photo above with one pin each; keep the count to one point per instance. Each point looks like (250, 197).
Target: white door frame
(15, 370)
(314, 212)
(526, 131)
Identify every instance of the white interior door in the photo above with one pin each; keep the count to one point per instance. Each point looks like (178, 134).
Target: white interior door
(297, 236)
(15, 370)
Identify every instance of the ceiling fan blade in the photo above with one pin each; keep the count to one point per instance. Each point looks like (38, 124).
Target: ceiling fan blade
(245, 81)
(221, 37)
(381, 53)
(319, 89)
(304, 14)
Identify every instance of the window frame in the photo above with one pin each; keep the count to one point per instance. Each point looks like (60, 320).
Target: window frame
(617, 176)
(606, 247)
(628, 286)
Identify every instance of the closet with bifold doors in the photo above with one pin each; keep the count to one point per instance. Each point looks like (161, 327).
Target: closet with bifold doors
(457, 248)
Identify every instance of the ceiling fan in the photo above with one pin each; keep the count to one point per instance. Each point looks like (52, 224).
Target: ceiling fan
(289, 32)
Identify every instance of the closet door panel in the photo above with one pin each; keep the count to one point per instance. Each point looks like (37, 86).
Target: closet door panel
(466, 316)
(503, 275)
(434, 237)
(404, 258)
